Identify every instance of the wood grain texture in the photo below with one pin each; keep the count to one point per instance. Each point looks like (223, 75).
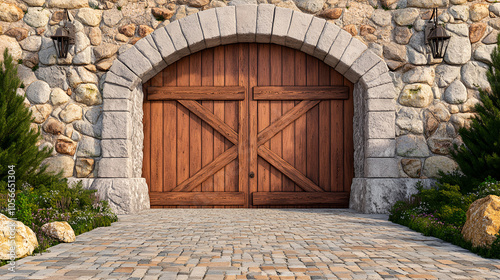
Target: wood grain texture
(207, 131)
(196, 93)
(216, 123)
(207, 171)
(300, 92)
(302, 181)
(339, 199)
(197, 198)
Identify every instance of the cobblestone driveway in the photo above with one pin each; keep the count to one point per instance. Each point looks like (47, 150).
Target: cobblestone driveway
(254, 244)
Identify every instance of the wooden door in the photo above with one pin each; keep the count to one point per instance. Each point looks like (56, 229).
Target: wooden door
(248, 125)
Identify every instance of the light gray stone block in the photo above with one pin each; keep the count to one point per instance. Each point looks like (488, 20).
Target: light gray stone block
(382, 91)
(380, 125)
(191, 29)
(370, 195)
(381, 168)
(178, 40)
(265, 18)
(165, 45)
(116, 125)
(115, 168)
(374, 73)
(124, 195)
(281, 24)
(136, 62)
(312, 36)
(116, 148)
(298, 29)
(114, 91)
(379, 105)
(148, 48)
(384, 148)
(123, 75)
(383, 79)
(210, 27)
(226, 17)
(246, 22)
(351, 53)
(337, 49)
(124, 105)
(327, 38)
(363, 64)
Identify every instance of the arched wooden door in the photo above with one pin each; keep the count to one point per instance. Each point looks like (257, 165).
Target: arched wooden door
(248, 125)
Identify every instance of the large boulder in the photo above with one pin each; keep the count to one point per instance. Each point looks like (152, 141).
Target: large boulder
(24, 238)
(483, 221)
(61, 231)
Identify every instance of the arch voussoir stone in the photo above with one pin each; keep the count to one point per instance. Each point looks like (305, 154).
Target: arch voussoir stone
(374, 92)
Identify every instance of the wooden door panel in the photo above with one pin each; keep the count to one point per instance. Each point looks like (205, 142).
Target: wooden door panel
(214, 117)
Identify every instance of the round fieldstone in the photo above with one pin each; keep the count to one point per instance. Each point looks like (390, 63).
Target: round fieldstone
(11, 43)
(431, 124)
(56, 164)
(38, 92)
(83, 167)
(89, 16)
(459, 50)
(402, 35)
(112, 17)
(88, 94)
(89, 147)
(162, 13)
(311, 6)
(483, 53)
(58, 97)
(53, 126)
(17, 32)
(71, 113)
(491, 38)
(456, 93)
(412, 167)
(412, 146)
(381, 17)
(446, 74)
(31, 43)
(419, 75)
(10, 12)
(405, 16)
(478, 11)
(476, 31)
(434, 164)
(37, 17)
(34, 3)
(95, 36)
(427, 3)
(144, 30)
(394, 52)
(408, 121)
(67, 4)
(495, 9)
(105, 51)
(440, 146)
(416, 95)
(197, 3)
(459, 12)
(65, 145)
(40, 112)
(127, 30)
(334, 13)
(474, 75)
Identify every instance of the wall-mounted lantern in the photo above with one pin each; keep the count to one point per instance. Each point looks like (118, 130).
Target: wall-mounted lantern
(64, 37)
(436, 36)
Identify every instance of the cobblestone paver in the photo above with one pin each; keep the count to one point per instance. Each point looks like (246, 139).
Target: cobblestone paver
(254, 244)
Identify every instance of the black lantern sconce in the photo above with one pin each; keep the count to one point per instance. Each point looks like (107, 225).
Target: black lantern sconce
(436, 36)
(64, 37)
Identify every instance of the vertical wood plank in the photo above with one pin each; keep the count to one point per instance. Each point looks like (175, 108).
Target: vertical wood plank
(300, 123)
(348, 138)
(252, 82)
(231, 113)
(207, 132)
(243, 161)
(182, 125)
(337, 137)
(194, 122)
(263, 79)
(312, 125)
(146, 164)
(275, 113)
(324, 131)
(157, 139)
(219, 80)
(169, 133)
(288, 76)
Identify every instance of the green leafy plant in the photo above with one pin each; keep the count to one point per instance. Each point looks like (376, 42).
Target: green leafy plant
(479, 156)
(17, 140)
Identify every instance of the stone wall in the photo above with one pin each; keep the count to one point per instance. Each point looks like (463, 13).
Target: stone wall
(435, 97)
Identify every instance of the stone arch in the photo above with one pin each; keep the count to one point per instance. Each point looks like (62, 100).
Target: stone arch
(374, 94)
